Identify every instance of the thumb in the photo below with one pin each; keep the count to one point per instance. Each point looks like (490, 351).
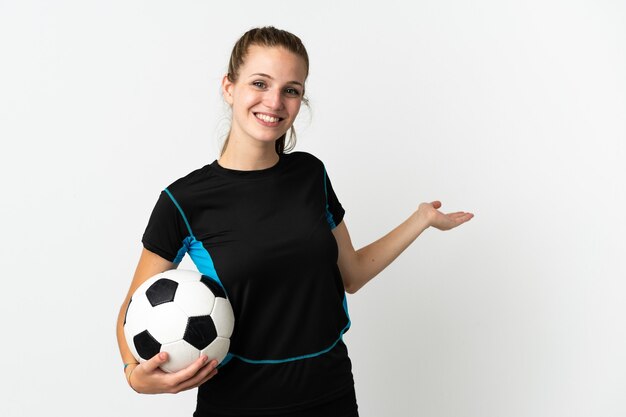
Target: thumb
(436, 204)
(156, 361)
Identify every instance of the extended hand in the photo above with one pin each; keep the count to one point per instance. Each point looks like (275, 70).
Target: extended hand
(441, 220)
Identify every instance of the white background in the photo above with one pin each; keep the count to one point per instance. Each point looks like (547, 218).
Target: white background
(515, 111)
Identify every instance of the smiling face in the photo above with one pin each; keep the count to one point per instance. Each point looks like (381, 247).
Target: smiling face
(266, 96)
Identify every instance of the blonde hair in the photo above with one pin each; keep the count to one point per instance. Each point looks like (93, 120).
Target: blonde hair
(271, 37)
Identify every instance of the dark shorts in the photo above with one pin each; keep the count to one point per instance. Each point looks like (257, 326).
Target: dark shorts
(342, 406)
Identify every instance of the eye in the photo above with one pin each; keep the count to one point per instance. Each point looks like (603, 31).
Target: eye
(259, 84)
(292, 91)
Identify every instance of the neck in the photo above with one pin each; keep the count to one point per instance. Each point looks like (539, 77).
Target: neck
(248, 158)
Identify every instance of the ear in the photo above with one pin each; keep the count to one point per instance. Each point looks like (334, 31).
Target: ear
(227, 89)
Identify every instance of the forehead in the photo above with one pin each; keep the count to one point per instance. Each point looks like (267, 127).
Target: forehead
(277, 62)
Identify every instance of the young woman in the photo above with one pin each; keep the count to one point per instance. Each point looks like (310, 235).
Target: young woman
(267, 224)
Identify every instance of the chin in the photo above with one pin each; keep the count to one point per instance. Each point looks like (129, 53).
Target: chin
(269, 139)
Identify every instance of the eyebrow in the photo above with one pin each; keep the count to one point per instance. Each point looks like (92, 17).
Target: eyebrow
(271, 78)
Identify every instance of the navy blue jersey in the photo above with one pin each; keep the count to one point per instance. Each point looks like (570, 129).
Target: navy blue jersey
(266, 237)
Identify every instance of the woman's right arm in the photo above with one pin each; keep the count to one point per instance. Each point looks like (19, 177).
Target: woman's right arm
(147, 377)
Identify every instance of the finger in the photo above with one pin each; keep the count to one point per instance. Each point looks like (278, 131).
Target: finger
(202, 376)
(156, 361)
(459, 219)
(436, 204)
(188, 372)
(460, 215)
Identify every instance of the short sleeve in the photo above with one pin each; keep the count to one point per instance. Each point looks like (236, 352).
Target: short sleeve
(334, 209)
(165, 233)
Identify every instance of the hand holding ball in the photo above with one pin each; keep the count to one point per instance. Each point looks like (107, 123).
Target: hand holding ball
(181, 312)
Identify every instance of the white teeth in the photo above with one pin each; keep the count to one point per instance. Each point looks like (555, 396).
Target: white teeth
(266, 118)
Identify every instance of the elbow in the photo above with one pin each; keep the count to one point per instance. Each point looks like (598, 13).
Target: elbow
(351, 290)
(353, 283)
(351, 277)
(350, 287)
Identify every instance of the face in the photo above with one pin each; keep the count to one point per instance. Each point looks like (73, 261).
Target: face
(267, 95)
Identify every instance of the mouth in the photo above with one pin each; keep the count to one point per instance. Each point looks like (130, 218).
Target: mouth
(268, 120)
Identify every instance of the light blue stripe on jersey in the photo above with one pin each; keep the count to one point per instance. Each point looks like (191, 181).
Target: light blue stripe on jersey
(203, 261)
(180, 210)
(329, 216)
(198, 253)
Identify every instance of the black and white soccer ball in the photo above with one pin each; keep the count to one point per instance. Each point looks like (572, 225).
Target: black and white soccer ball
(181, 312)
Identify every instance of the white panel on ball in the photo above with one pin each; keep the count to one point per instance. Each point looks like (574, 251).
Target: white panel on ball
(181, 354)
(136, 317)
(167, 323)
(217, 349)
(138, 312)
(182, 275)
(194, 298)
(223, 317)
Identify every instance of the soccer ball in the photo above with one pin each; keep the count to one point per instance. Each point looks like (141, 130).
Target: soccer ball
(181, 312)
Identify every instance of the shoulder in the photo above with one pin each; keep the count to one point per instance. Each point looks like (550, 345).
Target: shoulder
(188, 184)
(191, 179)
(305, 157)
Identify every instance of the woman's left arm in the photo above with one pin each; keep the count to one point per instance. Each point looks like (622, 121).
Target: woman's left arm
(360, 266)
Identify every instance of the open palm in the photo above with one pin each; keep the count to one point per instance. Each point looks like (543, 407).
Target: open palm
(443, 221)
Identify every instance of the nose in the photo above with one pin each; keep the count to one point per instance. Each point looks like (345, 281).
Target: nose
(273, 99)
